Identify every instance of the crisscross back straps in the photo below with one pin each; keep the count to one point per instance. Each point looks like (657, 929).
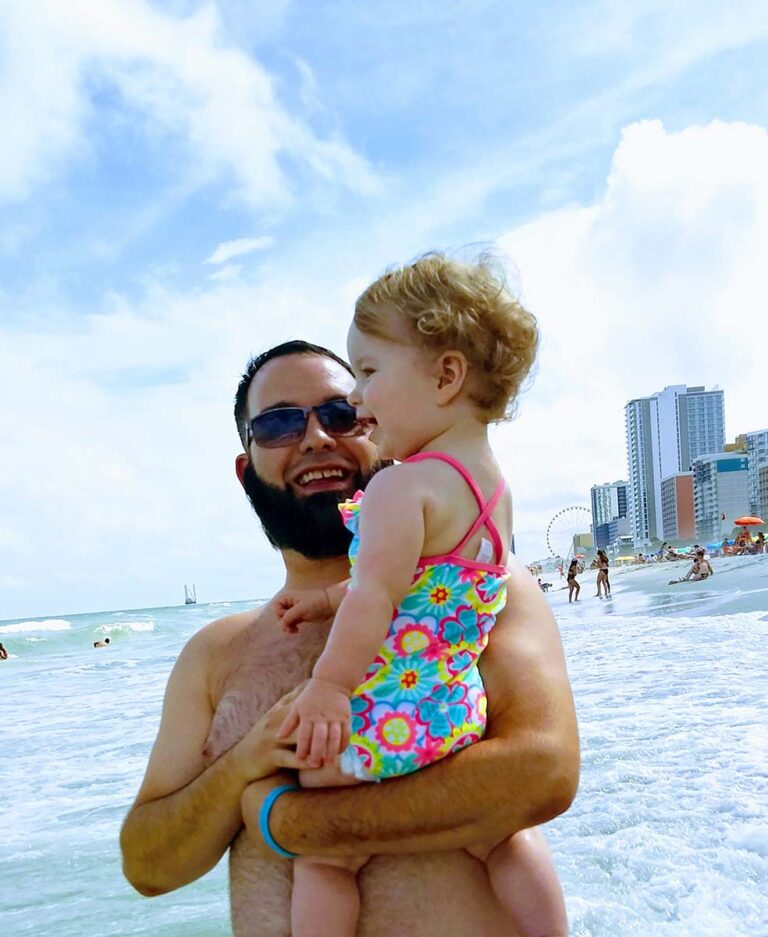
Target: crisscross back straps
(484, 519)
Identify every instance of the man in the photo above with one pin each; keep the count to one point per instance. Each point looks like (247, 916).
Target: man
(217, 737)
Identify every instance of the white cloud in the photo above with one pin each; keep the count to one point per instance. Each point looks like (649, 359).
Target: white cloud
(237, 248)
(660, 281)
(226, 274)
(176, 73)
(118, 488)
(604, 28)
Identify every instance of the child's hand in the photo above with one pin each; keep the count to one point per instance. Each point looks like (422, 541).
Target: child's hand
(294, 608)
(321, 717)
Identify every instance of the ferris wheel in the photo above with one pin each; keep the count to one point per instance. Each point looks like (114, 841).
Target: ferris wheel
(563, 528)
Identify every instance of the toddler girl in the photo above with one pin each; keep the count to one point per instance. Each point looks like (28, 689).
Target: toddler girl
(439, 350)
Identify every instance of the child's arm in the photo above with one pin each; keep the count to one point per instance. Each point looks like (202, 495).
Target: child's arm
(293, 608)
(524, 771)
(391, 541)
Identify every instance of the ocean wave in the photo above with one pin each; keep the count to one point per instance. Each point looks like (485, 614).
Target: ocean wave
(139, 625)
(23, 627)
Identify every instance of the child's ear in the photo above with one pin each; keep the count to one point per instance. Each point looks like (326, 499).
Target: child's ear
(452, 369)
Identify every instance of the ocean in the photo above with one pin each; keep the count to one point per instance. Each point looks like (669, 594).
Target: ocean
(668, 836)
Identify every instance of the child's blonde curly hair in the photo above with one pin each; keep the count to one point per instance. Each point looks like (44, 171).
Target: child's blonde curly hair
(452, 305)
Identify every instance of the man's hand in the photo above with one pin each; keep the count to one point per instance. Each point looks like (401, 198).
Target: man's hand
(294, 608)
(264, 749)
(320, 717)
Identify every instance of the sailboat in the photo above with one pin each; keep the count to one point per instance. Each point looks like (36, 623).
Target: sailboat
(190, 595)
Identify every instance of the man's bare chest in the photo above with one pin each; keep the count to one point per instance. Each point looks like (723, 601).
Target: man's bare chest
(259, 666)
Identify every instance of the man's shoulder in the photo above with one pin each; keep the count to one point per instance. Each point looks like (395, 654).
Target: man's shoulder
(214, 640)
(222, 631)
(213, 651)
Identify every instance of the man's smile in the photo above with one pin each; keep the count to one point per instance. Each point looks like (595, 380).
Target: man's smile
(328, 477)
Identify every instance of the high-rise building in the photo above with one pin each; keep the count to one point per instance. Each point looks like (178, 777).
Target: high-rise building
(613, 535)
(677, 507)
(757, 452)
(762, 481)
(666, 432)
(702, 424)
(720, 492)
(608, 501)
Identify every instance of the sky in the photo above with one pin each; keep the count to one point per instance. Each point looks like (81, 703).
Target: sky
(183, 184)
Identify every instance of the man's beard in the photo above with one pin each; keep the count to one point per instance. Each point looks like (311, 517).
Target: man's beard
(311, 525)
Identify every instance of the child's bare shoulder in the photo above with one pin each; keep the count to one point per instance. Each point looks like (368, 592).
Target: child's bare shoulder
(407, 481)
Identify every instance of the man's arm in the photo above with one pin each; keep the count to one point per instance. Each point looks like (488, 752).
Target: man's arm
(524, 772)
(186, 813)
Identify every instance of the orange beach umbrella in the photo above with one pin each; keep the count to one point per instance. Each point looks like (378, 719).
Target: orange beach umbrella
(748, 521)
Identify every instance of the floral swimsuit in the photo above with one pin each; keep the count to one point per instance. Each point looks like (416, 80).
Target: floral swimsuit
(422, 697)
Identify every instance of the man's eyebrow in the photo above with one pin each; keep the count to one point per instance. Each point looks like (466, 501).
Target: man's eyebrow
(340, 395)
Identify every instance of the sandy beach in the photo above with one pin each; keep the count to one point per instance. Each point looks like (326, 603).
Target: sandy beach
(739, 584)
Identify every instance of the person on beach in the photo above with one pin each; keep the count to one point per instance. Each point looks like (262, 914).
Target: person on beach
(210, 774)
(573, 584)
(700, 569)
(602, 574)
(3, 652)
(440, 350)
(743, 543)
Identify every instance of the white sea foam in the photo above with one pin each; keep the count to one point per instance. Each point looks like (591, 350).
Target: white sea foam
(753, 838)
(25, 627)
(666, 838)
(138, 625)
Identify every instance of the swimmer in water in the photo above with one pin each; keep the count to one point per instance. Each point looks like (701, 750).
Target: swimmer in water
(103, 643)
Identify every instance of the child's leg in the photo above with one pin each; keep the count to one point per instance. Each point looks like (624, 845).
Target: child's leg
(524, 879)
(325, 901)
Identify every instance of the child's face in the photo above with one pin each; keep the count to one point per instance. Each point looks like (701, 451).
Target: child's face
(394, 390)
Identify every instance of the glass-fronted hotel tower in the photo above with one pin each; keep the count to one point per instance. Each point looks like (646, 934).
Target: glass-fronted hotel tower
(665, 433)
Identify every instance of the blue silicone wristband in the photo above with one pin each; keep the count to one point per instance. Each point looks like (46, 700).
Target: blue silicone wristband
(266, 809)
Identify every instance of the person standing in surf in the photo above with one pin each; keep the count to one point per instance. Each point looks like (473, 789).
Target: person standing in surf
(602, 574)
(573, 585)
(212, 764)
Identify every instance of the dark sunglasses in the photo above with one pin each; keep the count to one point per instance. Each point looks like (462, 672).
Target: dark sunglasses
(286, 425)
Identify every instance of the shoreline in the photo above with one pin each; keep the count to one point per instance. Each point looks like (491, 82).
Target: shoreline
(739, 583)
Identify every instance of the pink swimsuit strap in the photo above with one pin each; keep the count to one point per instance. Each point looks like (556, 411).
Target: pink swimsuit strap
(484, 519)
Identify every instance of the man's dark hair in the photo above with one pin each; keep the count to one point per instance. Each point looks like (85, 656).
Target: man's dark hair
(294, 347)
